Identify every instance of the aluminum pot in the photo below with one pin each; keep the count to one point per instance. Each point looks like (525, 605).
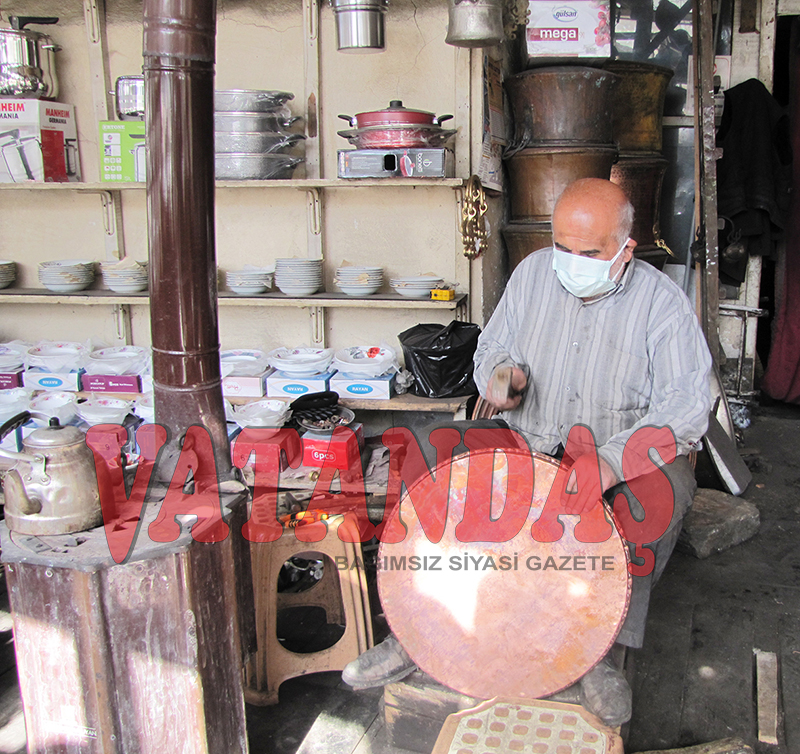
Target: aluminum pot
(562, 105)
(640, 176)
(27, 60)
(359, 25)
(523, 239)
(226, 142)
(474, 23)
(129, 96)
(397, 137)
(395, 115)
(249, 100)
(638, 104)
(247, 121)
(254, 167)
(538, 175)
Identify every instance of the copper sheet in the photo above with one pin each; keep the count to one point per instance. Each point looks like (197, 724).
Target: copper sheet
(517, 632)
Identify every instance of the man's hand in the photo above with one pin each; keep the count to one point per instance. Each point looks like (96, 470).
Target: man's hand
(591, 488)
(505, 387)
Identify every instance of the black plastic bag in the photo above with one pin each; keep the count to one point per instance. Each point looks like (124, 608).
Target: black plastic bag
(440, 358)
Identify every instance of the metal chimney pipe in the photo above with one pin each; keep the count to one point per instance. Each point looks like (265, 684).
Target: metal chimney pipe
(179, 54)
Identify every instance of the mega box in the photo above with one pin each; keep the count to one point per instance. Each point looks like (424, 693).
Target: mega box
(388, 163)
(38, 142)
(35, 380)
(577, 29)
(122, 151)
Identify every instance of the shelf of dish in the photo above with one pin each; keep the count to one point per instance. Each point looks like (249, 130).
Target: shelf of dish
(226, 298)
(297, 183)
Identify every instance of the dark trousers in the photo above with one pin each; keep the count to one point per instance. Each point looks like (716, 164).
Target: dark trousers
(681, 477)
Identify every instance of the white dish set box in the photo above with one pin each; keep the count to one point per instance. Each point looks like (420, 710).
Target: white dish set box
(365, 388)
(38, 142)
(281, 385)
(573, 29)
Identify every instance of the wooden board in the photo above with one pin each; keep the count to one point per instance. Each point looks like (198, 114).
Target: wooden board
(767, 696)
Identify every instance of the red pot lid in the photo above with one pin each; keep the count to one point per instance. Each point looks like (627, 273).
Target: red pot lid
(395, 113)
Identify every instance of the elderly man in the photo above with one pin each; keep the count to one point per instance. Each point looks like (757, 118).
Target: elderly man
(586, 335)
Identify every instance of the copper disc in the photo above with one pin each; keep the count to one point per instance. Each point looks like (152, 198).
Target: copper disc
(527, 631)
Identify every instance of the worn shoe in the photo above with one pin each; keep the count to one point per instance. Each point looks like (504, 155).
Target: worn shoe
(605, 692)
(384, 663)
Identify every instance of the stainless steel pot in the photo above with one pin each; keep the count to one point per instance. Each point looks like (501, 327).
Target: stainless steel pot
(474, 23)
(129, 95)
(227, 142)
(246, 121)
(359, 25)
(27, 60)
(251, 167)
(249, 100)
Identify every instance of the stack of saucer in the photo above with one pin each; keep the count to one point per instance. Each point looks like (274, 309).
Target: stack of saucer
(66, 275)
(250, 280)
(416, 287)
(301, 362)
(298, 277)
(8, 273)
(359, 281)
(126, 276)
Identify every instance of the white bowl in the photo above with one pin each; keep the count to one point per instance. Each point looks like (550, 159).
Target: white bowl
(104, 410)
(58, 404)
(360, 290)
(248, 290)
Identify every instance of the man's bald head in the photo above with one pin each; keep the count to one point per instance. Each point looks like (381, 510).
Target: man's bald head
(596, 204)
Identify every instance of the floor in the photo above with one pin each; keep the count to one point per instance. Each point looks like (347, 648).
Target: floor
(693, 680)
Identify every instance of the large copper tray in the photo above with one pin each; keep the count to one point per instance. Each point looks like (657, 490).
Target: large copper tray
(526, 631)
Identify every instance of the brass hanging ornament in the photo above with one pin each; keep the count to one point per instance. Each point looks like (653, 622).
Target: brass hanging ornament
(473, 221)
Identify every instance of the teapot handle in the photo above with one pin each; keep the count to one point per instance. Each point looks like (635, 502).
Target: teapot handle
(15, 422)
(37, 461)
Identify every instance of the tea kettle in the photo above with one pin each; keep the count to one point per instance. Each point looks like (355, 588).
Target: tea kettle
(52, 487)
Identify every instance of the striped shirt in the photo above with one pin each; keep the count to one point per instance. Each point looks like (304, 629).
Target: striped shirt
(635, 357)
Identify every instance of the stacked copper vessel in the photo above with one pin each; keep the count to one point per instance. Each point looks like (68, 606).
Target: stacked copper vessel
(638, 106)
(563, 131)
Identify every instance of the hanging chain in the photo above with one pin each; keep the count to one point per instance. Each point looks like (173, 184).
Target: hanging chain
(473, 222)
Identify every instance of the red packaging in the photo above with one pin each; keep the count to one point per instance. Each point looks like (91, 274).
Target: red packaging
(340, 450)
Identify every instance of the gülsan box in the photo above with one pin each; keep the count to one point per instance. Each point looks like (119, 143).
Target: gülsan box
(111, 383)
(280, 385)
(122, 151)
(9, 380)
(244, 387)
(70, 381)
(372, 389)
(564, 30)
(38, 142)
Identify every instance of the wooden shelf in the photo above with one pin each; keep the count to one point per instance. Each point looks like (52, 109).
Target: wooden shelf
(295, 183)
(226, 298)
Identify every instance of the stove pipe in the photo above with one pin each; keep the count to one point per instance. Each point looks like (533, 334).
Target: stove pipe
(179, 48)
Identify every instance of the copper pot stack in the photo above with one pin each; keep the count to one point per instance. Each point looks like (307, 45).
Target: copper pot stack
(563, 131)
(638, 106)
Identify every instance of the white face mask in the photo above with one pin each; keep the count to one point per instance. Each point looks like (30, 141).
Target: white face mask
(585, 277)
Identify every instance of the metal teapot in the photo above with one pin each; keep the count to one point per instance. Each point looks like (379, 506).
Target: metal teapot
(52, 488)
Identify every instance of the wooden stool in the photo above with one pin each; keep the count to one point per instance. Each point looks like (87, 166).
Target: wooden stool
(342, 594)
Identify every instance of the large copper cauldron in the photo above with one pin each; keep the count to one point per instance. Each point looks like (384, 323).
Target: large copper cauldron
(561, 105)
(638, 104)
(538, 175)
(530, 627)
(523, 239)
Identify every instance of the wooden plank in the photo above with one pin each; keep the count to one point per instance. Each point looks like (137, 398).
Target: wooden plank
(767, 696)
(339, 731)
(790, 678)
(719, 675)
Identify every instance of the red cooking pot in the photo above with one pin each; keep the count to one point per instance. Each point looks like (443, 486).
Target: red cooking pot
(395, 115)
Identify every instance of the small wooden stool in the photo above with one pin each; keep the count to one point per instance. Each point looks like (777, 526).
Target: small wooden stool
(342, 593)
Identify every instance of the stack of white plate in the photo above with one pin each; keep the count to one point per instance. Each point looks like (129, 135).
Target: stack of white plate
(250, 280)
(365, 361)
(241, 362)
(118, 360)
(265, 413)
(416, 287)
(10, 359)
(301, 362)
(101, 410)
(126, 276)
(359, 281)
(8, 273)
(66, 275)
(53, 405)
(298, 277)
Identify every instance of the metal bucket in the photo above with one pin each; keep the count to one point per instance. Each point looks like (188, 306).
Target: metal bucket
(562, 105)
(538, 175)
(474, 23)
(359, 25)
(640, 177)
(523, 239)
(638, 103)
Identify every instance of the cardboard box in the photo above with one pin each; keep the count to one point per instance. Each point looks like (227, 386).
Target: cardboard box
(565, 30)
(244, 387)
(9, 380)
(342, 452)
(70, 381)
(38, 142)
(111, 383)
(122, 151)
(375, 388)
(280, 385)
(404, 163)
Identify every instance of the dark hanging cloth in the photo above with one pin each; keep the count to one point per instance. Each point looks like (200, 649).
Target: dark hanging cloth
(754, 174)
